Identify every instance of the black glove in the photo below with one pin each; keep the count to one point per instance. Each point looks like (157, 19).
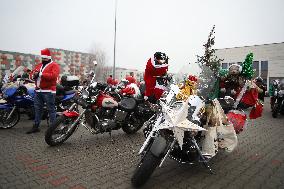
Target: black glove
(36, 75)
(169, 77)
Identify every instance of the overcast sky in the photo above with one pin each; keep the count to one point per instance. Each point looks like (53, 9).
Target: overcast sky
(177, 27)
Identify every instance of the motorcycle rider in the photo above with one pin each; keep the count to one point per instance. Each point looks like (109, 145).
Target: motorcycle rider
(261, 88)
(156, 67)
(45, 75)
(110, 80)
(131, 78)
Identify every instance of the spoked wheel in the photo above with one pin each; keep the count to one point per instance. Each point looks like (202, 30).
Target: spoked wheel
(12, 121)
(60, 131)
(132, 124)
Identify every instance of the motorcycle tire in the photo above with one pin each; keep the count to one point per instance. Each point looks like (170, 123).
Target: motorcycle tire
(14, 119)
(145, 168)
(132, 125)
(275, 111)
(53, 130)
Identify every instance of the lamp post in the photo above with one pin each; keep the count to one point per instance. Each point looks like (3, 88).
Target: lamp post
(114, 44)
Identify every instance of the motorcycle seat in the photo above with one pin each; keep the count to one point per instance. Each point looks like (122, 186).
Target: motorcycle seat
(127, 104)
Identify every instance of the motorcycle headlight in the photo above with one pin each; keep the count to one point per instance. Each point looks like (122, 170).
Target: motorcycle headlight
(85, 94)
(93, 85)
(93, 98)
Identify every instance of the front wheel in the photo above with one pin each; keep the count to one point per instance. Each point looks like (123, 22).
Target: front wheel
(13, 119)
(275, 111)
(60, 131)
(145, 169)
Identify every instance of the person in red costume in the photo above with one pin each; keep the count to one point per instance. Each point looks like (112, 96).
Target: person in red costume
(45, 75)
(155, 83)
(130, 78)
(110, 80)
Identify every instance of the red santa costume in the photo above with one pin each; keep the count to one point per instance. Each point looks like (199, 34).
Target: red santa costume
(48, 74)
(130, 79)
(152, 73)
(110, 80)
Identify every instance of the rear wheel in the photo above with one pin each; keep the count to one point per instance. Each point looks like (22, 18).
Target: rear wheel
(12, 121)
(132, 124)
(145, 169)
(60, 131)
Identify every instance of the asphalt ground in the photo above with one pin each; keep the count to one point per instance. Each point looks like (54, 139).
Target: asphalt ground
(96, 161)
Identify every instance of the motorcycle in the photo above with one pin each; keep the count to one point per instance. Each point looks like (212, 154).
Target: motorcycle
(101, 113)
(175, 131)
(169, 136)
(18, 98)
(278, 106)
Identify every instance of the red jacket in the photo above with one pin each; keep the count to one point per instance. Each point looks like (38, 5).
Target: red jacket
(130, 79)
(110, 81)
(46, 82)
(151, 71)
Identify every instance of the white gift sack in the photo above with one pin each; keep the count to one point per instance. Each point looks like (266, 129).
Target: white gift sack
(227, 137)
(210, 142)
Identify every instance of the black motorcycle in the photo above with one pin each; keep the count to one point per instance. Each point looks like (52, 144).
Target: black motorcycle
(101, 113)
(278, 106)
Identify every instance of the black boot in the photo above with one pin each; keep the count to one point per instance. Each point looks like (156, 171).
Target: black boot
(34, 129)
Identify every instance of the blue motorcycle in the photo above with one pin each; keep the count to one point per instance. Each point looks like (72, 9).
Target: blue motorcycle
(18, 99)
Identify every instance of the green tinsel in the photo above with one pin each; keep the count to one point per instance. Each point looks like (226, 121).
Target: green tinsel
(247, 67)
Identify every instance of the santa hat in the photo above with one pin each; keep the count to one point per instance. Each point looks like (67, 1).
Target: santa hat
(45, 53)
(236, 65)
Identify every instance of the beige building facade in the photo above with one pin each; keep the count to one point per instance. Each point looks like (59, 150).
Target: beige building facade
(268, 60)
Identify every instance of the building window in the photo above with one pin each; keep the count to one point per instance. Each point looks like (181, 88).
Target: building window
(264, 69)
(264, 65)
(256, 68)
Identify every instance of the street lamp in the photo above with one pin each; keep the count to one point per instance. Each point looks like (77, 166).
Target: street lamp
(114, 45)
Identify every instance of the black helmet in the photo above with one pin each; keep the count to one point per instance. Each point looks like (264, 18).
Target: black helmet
(160, 56)
(259, 79)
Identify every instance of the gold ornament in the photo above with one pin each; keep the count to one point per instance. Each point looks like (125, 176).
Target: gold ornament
(187, 89)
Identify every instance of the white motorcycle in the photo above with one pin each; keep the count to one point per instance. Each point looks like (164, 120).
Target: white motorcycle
(178, 131)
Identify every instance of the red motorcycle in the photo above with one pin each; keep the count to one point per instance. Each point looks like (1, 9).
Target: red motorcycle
(101, 113)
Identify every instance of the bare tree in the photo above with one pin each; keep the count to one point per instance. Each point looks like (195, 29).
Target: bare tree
(99, 55)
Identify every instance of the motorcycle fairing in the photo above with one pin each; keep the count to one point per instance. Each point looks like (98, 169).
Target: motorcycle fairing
(23, 101)
(5, 106)
(7, 92)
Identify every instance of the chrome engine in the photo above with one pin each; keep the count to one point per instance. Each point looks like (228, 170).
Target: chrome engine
(105, 120)
(120, 115)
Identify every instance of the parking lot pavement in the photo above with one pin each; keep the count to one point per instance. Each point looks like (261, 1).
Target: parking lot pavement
(88, 161)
